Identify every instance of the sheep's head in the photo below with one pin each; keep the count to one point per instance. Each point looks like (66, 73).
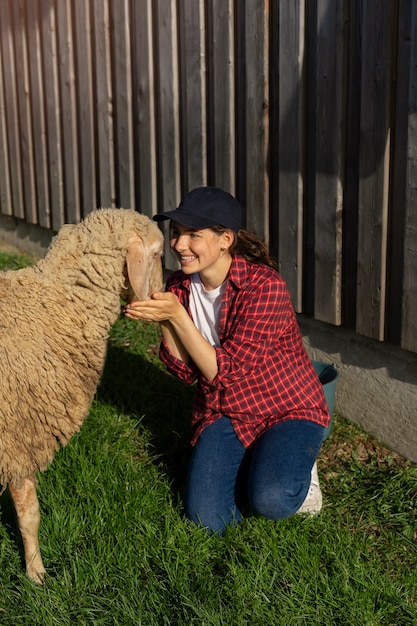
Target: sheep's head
(130, 242)
(142, 242)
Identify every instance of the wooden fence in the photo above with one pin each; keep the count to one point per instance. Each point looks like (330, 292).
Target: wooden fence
(306, 110)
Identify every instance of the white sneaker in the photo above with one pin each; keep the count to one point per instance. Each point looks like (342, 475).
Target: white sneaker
(314, 500)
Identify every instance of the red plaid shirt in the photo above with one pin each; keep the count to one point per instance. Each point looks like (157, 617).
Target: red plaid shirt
(264, 373)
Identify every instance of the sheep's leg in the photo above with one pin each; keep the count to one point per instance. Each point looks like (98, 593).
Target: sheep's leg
(28, 517)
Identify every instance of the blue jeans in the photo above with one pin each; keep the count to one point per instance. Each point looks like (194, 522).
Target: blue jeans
(272, 477)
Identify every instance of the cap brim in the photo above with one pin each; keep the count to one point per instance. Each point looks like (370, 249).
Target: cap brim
(185, 219)
(163, 216)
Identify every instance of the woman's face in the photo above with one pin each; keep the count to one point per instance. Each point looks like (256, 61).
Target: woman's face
(200, 250)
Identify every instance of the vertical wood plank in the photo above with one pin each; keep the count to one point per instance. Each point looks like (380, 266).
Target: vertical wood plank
(5, 188)
(168, 130)
(374, 159)
(168, 94)
(104, 105)
(52, 113)
(69, 119)
(193, 94)
(11, 109)
(287, 139)
(240, 103)
(221, 95)
(83, 41)
(398, 175)
(329, 161)
(37, 104)
(145, 145)
(409, 317)
(350, 206)
(309, 182)
(257, 116)
(123, 126)
(23, 106)
(167, 112)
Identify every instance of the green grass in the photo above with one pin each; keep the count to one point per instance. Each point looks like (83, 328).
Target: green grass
(119, 552)
(14, 261)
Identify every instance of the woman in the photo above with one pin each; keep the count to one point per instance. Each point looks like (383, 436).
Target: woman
(259, 410)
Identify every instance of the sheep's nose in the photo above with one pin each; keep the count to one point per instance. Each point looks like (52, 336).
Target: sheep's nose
(158, 282)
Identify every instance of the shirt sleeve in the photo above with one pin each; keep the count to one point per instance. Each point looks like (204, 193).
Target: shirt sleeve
(187, 372)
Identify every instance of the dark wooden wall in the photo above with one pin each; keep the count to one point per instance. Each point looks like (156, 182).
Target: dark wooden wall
(305, 110)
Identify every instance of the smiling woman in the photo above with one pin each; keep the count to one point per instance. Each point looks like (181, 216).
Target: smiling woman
(259, 411)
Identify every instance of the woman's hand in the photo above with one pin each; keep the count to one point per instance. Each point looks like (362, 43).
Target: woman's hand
(180, 334)
(161, 307)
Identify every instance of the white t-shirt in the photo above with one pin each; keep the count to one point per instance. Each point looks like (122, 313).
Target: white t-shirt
(205, 308)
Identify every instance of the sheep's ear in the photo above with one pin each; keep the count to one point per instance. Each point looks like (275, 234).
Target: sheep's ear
(137, 266)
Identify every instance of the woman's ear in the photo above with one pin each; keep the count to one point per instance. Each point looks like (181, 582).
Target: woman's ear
(228, 239)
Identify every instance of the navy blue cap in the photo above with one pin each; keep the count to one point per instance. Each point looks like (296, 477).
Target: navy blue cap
(205, 207)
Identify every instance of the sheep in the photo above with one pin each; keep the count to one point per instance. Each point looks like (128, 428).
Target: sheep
(55, 319)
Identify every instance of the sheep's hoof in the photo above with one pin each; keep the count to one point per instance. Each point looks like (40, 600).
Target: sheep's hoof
(38, 577)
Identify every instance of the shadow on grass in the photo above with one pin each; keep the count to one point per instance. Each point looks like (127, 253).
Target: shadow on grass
(9, 522)
(162, 404)
(7, 511)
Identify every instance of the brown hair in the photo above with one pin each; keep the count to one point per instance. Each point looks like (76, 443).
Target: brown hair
(250, 247)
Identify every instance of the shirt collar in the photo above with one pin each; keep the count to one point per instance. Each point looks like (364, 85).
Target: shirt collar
(239, 272)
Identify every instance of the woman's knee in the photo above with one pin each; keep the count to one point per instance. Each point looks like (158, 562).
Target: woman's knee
(280, 471)
(277, 501)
